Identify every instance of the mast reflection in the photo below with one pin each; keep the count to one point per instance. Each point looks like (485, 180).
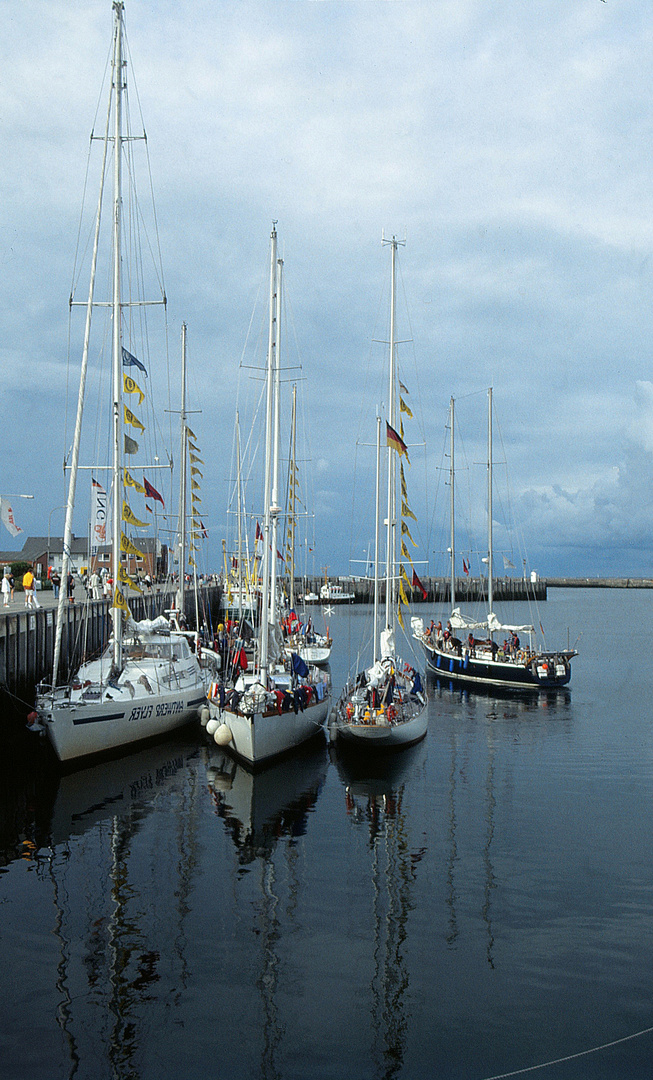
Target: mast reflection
(259, 810)
(375, 798)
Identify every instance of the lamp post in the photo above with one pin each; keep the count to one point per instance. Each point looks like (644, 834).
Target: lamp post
(54, 509)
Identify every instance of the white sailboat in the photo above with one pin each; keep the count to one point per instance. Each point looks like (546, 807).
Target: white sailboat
(459, 653)
(384, 706)
(278, 704)
(148, 680)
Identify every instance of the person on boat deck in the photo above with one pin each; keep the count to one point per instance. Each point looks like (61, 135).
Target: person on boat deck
(438, 633)
(416, 688)
(514, 642)
(471, 644)
(446, 637)
(449, 627)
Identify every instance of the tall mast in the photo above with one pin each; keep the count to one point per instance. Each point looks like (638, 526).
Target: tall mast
(240, 523)
(74, 461)
(275, 509)
(391, 529)
(490, 596)
(377, 523)
(452, 507)
(117, 342)
(292, 494)
(182, 479)
(269, 421)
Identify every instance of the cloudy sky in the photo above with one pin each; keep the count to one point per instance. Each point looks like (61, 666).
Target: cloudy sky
(508, 144)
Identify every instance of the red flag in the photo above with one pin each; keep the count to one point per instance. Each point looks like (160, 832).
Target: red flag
(259, 534)
(465, 567)
(151, 492)
(417, 584)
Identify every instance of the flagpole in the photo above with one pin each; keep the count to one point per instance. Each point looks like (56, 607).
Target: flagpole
(391, 532)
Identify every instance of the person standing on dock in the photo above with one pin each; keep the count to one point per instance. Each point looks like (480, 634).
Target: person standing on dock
(28, 588)
(6, 590)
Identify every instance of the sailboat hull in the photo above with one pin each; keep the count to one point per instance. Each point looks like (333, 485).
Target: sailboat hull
(385, 737)
(262, 736)
(543, 671)
(80, 730)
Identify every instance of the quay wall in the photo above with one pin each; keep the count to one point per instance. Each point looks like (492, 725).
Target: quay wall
(438, 590)
(27, 637)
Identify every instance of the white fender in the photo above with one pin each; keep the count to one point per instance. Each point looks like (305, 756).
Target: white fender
(223, 735)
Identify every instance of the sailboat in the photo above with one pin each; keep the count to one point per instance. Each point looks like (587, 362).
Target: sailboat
(148, 680)
(385, 705)
(458, 654)
(276, 704)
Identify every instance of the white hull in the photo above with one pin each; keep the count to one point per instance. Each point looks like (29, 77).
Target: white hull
(314, 654)
(154, 693)
(262, 736)
(77, 729)
(385, 736)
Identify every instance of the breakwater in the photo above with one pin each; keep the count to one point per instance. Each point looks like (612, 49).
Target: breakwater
(27, 637)
(438, 590)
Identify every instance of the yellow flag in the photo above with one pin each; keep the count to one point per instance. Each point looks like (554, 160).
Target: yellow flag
(404, 408)
(130, 482)
(133, 420)
(194, 449)
(404, 574)
(130, 387)
(191, 433)
(406, 511)
(402, 595)
(404, 490)
(406, 553)
(400, 617)
(406, 532)
(196, 460)
(120, 602)
(126, 580)
(196, 472)
(128, 515)
(128, 548)
(194, 485)
(191, 561)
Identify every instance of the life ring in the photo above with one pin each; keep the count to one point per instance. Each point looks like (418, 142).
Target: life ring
(392, 713)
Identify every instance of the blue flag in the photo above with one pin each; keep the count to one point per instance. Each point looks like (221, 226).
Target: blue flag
(130, 361)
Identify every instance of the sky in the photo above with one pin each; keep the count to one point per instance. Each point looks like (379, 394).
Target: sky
(508, 144)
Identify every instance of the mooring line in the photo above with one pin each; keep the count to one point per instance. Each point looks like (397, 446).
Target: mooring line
(569, 1057)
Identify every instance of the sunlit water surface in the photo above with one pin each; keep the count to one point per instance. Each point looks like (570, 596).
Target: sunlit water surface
(478, 904)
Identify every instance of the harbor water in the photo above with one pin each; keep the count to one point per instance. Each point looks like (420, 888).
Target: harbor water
(473, 907)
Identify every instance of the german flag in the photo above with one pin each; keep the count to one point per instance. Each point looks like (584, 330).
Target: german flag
(394, 439)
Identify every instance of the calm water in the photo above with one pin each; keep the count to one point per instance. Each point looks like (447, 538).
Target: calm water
(482, 905)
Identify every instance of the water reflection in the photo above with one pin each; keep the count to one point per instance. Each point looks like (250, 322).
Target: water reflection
(375, 799)
(260, 809)
(500, 701)
(85, 828)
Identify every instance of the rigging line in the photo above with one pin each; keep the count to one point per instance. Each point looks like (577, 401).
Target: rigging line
(571, 1057)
